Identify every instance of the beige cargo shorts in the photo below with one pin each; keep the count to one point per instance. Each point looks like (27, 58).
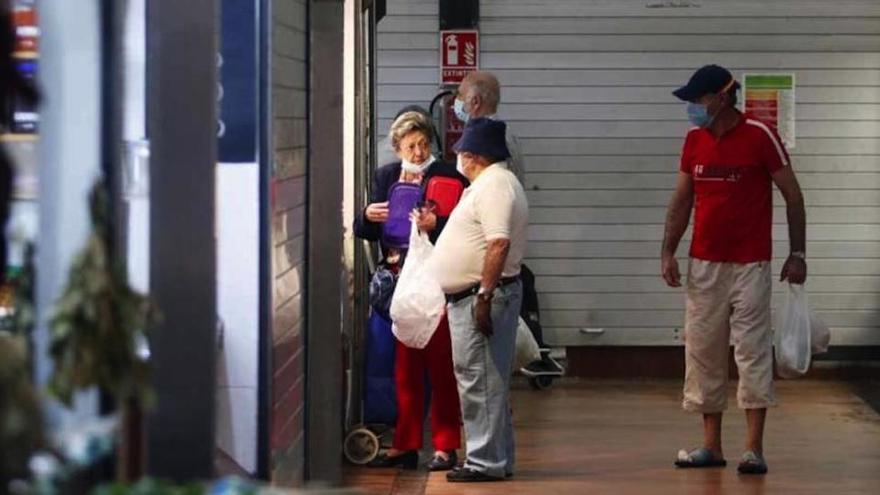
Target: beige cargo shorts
(728, 303)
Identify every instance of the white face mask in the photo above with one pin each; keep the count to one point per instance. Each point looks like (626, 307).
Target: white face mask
(421, 168)
(458, 164)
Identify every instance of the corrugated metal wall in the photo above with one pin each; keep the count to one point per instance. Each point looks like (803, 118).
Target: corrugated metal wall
(289, 73)
(586, 87)
(407, 72)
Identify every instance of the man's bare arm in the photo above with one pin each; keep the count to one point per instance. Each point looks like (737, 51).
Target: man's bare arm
(678, 214)
(788, 185)
(496, 256)
(795, 268)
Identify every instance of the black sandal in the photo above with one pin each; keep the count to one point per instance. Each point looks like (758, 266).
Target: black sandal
(752, 463)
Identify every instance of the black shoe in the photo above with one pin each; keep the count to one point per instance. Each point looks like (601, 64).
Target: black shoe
(407, 460)
(468, 475)
(440, 464)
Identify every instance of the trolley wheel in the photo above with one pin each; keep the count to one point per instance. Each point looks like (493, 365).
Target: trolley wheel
(361, 446)
(541, 382)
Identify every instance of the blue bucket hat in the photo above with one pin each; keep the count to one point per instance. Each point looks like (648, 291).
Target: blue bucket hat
(484, 137)
(707, 79)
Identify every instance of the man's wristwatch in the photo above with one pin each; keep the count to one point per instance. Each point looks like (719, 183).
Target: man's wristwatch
(485, 294)
(799, 254)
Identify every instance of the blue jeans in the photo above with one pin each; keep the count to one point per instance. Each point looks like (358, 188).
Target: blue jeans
(482, 368)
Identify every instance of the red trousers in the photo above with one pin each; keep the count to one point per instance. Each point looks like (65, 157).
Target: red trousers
(410, 366)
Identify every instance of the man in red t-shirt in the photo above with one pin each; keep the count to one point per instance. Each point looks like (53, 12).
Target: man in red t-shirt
(729, 164)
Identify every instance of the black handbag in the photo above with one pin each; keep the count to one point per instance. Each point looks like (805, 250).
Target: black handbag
(382, 289)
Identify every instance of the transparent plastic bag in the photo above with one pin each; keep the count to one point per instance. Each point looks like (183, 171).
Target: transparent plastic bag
(418, 303)
(793, 335)
(527, 350)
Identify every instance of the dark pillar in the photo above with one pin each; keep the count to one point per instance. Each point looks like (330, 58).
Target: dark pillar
(324, 349)
(182, 127)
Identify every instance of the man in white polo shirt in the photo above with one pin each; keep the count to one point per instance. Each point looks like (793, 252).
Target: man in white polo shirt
(477, 262)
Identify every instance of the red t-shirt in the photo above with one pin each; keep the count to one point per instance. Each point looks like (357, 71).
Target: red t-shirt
(733, 191)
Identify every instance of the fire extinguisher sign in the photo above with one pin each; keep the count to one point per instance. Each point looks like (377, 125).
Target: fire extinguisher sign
(459, 54)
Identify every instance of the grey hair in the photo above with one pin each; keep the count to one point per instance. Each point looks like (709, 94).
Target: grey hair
(407, 123)
(487, 86)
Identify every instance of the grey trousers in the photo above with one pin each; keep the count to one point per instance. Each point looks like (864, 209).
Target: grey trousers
(482, 368)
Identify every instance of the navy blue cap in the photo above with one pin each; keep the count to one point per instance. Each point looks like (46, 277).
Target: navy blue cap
(484, 137)
(707, 79)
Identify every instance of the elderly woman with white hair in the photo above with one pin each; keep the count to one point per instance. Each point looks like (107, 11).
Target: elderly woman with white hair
(411, 135)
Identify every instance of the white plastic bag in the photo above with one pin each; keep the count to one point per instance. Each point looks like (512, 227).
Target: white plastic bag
(527, 350)
(820, 336)
(793, 334)
(418, 303)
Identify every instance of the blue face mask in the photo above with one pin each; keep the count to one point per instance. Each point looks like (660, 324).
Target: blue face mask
(698, 114)
(458, 108)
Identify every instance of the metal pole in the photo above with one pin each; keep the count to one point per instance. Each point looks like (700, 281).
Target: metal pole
(112, 19)
(264, 143)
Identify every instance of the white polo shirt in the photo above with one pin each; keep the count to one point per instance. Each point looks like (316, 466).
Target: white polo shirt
(493, 207)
